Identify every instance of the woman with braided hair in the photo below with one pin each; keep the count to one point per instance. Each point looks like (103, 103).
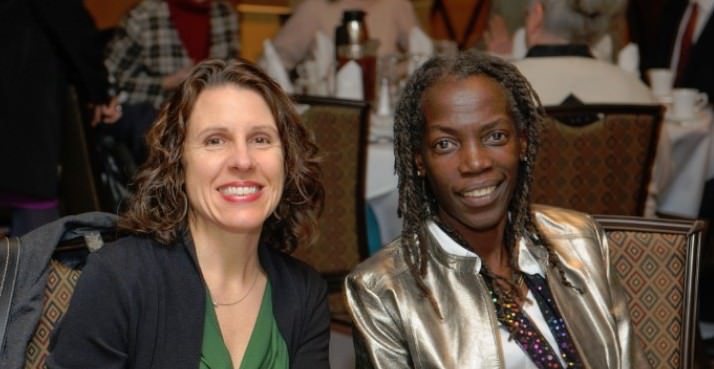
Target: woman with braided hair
(480, 278)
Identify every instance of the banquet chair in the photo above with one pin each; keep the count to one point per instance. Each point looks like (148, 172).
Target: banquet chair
(340, 131)
(597, 158)
(657, 262)
(45, 275)
(78, 190)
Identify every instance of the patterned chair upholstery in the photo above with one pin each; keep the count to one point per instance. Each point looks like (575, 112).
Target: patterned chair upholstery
(60, 285)
(65, 266)
(340, 131)
(657, 261)
(597, 158)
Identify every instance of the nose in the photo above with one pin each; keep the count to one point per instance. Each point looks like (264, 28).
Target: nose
(474, 158)
(241, 157)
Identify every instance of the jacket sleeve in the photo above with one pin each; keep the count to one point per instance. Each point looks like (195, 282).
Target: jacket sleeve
(632, 354)
(125, 61)
(313, 350)
(224, 32)
(94, 331)
(295, 38)
(379, 340)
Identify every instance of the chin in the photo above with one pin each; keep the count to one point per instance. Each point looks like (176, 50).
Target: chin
(486, 221)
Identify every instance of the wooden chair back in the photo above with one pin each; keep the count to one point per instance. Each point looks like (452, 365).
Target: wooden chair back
(657, 261)
(597, 159)
(340, 129)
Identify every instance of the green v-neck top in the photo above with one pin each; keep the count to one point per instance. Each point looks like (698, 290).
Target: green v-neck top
(266, 348)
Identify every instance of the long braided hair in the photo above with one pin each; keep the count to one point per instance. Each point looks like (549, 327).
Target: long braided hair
(417, 203)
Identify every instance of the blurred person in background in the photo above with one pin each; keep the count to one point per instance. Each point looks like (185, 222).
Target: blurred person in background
(152, 51)
(559, 61)
(686, 44)
(389, 21)
(503, 40)
(561, 67)
(45, 47)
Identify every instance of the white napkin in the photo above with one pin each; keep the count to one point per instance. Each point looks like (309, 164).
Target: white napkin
(349, 81)
(384, 101)
(602, 49)
(520, 46)
(421, 48)
(323, 54)
(270, 62)
(629, 58)
(317, 72)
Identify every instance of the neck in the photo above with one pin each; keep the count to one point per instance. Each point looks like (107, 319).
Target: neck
(225, 257)
(492, 251)
(488, 244)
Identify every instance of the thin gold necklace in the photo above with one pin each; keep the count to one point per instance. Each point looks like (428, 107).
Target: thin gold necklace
(218, 304)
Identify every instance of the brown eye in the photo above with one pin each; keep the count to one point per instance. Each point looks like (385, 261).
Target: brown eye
(213, 141)
(497, 138)
(444, 145)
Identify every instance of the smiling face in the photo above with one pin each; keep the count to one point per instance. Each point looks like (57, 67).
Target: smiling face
(233, 160)
(470, 152)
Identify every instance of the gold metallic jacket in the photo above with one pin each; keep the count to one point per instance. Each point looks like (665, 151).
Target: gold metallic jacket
(399, 328)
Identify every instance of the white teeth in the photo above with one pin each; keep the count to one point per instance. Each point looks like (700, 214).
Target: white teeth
(480, 192)
(239, 191)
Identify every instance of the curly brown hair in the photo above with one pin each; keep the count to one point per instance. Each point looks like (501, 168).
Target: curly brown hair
(158, 206)
(416, 201)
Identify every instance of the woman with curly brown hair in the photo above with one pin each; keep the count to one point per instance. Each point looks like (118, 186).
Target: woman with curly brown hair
(480, 278)
(231, 185)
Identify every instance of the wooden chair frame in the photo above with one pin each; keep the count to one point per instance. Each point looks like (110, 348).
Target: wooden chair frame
(693, 230)
(335, 278)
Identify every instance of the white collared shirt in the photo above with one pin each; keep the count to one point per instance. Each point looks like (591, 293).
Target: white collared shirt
(514, 356)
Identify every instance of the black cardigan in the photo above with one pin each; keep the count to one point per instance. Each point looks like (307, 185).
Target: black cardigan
(139, 304)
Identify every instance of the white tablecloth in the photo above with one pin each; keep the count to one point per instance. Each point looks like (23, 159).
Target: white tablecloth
(381, 188)
(381, 193)
(693, 163)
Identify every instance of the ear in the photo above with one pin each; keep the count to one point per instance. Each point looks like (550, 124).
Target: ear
(419, 163)
(534, 22)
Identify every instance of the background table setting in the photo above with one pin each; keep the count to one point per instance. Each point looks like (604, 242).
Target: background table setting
(692, 143)
(689, 124)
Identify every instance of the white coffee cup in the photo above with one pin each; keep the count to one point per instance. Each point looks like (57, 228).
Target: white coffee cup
(660, 81)
(687, 102)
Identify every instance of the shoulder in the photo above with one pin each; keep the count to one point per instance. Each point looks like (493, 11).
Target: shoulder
(140, 16)
(557, 222)
(133, 256)
(573, 236)
(223, 8)
(381, 271)
(147, 8)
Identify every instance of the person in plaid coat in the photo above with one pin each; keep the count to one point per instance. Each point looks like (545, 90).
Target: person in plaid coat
(152, 50)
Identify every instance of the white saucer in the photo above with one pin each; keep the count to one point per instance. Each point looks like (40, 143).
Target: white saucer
(670, 116)
(664, 99)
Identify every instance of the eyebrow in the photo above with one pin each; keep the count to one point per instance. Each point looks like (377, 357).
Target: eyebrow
(221, 128)
(487, 126)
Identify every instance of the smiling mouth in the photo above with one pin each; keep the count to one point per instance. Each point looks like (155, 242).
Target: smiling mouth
(480, 192)
(240, 190)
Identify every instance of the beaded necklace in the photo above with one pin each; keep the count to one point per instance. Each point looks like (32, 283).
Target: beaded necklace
(527, 335)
